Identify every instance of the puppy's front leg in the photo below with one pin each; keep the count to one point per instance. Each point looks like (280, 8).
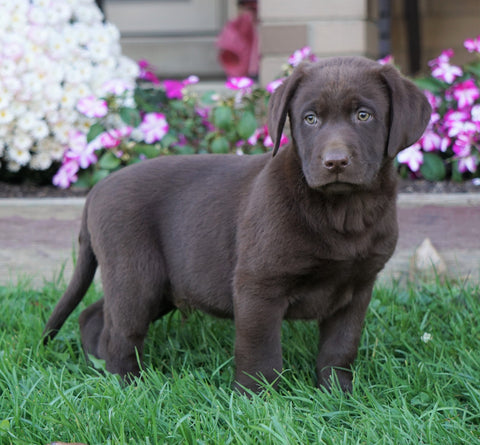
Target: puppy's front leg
(339, 339)
(258, 349)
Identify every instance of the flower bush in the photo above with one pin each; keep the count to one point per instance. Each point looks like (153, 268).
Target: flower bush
(450, 146)
(153, 118)
(72, 105)
(53, 53)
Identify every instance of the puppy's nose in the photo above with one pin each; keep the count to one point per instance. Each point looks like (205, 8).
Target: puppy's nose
(336, 161)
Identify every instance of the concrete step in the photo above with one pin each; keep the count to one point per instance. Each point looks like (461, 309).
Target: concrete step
(38, 236)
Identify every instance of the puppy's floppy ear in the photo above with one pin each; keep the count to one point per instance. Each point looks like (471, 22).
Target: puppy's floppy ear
(279, 104)
(409, 111)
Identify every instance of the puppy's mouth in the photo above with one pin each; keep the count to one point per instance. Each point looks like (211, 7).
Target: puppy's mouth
(337, 187)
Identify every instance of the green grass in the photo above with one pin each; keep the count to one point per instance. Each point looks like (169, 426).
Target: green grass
(405, 390)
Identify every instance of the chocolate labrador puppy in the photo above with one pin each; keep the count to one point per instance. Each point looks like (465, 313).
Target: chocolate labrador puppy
(300, 234)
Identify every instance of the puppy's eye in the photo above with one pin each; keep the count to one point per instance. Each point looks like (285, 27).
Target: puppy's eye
(363, 116)
(310, 119)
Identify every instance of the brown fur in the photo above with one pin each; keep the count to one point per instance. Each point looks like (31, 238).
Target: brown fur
(300, 235)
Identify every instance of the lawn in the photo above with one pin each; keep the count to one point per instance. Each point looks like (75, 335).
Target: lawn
(409, 386)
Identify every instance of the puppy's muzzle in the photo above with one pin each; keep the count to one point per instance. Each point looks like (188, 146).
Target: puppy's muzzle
(336, 160)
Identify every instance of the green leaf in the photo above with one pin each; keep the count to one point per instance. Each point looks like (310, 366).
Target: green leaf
(456, 175)
(220, 145)
(207, 98)
(148, 150)
(168, 140)
(433, 167)
(247, 125)
(98, 175)
(94, 131)
(184, 150)
(473, 68)
(109, 161)
(223, 117)
(84, 180)
(130, 116)
(431, 84)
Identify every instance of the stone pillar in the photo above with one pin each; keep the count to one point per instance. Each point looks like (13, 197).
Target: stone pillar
(330, 28)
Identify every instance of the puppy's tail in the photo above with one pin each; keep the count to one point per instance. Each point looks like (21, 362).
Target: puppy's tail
(78, 286)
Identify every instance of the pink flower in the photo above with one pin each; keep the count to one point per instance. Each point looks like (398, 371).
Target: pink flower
(444, 57)
(253, 139)
(472, 45)
(79, 150)
(475, 112)
(434, 118)
(412, 156)
(455, 128)
(433, 100)
(444, 144)
(154, 127)
(446, 72)
(431, 141)
(174, 88)
(239, 83)
(262, 133)
(274, 84)
(66, 174)
(117, 86)
(442, 69)
(386, 60)
(108, 140)
(465, 93)
(90, 106)
(268, 142)
(146, 73)
(456, 115)
(467, 163)
(463, 145)
(300, 55)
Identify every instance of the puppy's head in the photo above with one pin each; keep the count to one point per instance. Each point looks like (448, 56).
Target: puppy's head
(348, 115)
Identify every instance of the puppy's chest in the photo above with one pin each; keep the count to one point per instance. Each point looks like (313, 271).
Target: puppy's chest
(327, 288)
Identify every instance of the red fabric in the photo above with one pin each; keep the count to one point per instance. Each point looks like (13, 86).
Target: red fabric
(238, 46)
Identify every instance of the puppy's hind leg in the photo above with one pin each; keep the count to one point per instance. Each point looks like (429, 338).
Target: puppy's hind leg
(91, 326)
(134, 296)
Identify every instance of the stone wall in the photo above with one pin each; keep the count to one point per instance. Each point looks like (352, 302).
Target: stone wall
(341, 27)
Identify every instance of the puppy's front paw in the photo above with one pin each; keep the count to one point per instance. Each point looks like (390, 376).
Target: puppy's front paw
(330, 377)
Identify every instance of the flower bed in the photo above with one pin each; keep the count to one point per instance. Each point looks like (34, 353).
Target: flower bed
(449, 148)
(73, 109)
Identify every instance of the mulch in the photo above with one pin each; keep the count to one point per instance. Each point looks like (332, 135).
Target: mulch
(30, 190)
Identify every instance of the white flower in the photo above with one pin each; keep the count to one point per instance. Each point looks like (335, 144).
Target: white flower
(51, 148)
(12, 84)
(27, 121)
(40, 130)
(426, 337)
(53, 53)
(18, 108)
(7, 68)
(37, 15)
(22, 141)
(6, 116)
(57, 46)
(13, 166)
(41, 161)
(68, 99)
(19, 157)
(5, 98)
(61, 130)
